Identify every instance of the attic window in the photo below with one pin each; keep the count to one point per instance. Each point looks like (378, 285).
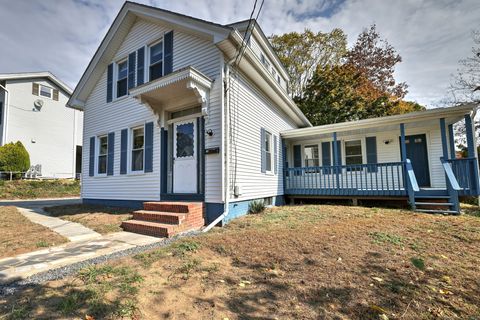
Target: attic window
(46, 91)
(156, 61)
(122, 79)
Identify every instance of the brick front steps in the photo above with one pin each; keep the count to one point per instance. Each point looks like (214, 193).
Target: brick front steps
(165, 219)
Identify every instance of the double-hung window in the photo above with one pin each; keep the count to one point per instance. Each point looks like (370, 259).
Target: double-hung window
(138, 145)
(268, 151)
(122, 75)
(353, 153)
(311, 156)
(46, 91)
(156, 61)
(102, 154)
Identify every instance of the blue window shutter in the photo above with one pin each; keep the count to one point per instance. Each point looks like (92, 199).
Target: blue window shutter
(326, 157)
(111, 153)
(123, 151)
(164, 160)
(91, 163)
(110, 82)
(371, 152)
(339, 150)
(262, 150)
(140, 65)
(131, 70)
(149, 147)
(297, 156)
(168, 54)
(275, 154)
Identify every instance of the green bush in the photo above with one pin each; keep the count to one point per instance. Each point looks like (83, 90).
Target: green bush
(14, 157)
(256, 206)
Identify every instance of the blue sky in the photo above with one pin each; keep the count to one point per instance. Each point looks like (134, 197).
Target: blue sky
(431, 35)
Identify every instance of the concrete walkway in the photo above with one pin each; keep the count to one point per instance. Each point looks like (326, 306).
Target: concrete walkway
(27, 264)
(33, 210)
(85, 243)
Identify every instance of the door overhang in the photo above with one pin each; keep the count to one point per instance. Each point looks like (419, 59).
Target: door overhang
(182, 88)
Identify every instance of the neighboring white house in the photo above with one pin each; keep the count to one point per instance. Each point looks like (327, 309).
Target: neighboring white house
(172, 113)
(33, 110)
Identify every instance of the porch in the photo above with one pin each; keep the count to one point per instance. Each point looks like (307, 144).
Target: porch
(409, 156)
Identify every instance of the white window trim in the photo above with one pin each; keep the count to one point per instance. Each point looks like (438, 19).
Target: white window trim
(130, 150)
(272, 156)
(97, 155)
(318, 145)
(362, 146)
(40, 86)
(147, 58)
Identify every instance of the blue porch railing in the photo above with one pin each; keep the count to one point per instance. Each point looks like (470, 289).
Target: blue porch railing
(379, 179)
(465, 171)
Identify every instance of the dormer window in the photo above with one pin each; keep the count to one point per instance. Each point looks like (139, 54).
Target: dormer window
(156, 61)
(122, 74)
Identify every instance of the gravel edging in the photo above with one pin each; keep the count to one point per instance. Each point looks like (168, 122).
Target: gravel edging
(65, 271)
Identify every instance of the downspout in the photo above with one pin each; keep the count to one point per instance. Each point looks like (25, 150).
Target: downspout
(5, 113)
(227, 148)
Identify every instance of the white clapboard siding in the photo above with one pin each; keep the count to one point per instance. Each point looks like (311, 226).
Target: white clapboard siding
(49, 135)
(387, 153)
(250, 111)
(102, 117)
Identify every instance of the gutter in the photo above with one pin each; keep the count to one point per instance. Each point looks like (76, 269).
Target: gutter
(5, 113)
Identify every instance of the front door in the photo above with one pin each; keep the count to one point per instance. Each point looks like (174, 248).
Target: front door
(185, 156)
(418, 155)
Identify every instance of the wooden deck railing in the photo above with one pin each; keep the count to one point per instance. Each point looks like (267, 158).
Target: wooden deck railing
(379, 179)
(465, 171)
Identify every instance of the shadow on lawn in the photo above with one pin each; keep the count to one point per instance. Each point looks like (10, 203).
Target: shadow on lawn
(76, 209)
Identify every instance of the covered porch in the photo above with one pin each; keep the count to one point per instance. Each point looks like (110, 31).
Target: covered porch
(410, 156)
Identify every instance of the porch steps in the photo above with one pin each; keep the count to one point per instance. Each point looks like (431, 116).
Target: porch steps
(439, 203)
(166, 219)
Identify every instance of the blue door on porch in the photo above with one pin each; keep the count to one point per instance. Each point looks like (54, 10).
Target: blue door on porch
(418, 155)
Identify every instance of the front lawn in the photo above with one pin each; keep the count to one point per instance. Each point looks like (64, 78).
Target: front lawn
(99, 218)
(301, 262)
(19, 235)
(33, 189)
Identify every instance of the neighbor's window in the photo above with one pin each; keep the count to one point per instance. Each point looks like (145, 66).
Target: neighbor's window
(268, 151)
(102, 154)
(311, 156)
(46, 91)
(122, 74)
(156, 61)
(138, 143)
(264, 61)
(353, 152)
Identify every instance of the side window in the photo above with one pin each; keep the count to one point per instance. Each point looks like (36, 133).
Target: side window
(353, 152)
(268, 151)
(122, 74)
(138, 145)
(156, 61)
(311, 156)
(102, 154)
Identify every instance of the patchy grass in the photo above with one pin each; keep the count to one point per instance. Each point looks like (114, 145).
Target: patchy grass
(32, 189)
(19, 235)
(302, 262)
(99, 218)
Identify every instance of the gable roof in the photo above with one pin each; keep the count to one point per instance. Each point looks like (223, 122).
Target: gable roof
(265, 43)
(127, 16)
(37, 75)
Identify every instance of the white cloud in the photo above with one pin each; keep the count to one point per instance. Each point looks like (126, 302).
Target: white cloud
(430, 35)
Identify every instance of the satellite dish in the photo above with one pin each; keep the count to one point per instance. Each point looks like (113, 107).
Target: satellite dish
(38, 104)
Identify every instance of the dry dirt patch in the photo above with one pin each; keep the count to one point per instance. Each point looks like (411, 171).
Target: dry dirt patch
(19, 235)
(98, 218)
(303, 262)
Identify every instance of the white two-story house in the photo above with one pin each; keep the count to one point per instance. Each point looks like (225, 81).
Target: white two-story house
(33, 111)
(182, 112)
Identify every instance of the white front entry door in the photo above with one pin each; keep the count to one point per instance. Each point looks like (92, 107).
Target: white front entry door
(185, 155)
